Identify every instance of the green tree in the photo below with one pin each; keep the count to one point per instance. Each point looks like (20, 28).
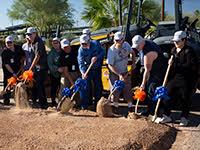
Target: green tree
(104, 13)
(44, 14)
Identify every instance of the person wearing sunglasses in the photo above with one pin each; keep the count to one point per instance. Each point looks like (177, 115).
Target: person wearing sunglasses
(39, 67)
(12, 63)
(90, 51)
(117, 60)
(53, 63)
(182, 78)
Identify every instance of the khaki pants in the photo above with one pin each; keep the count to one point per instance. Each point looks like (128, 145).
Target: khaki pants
(126, 91)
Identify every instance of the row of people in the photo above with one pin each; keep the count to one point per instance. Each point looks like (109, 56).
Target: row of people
(62, 61)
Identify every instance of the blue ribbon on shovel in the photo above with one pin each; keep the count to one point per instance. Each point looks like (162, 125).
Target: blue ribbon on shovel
(119, 85)
(79, 85)
(161, 92)
(67, 92)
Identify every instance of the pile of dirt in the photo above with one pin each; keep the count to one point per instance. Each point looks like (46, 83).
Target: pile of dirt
(39, 129)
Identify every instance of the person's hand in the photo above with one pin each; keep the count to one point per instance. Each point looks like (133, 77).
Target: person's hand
(60, 70)
(118, 45)
(14, 75)
(142, 87)
(121, 77)
(170, 61)
(84, 76)
(94, 59)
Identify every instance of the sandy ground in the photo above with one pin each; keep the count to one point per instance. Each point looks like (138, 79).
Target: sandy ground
(39, 129)
(47, 129)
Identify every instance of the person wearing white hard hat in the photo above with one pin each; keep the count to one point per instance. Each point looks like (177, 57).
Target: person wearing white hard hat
(117, 60)
(155, 66)
(182, 78)
(53, 63)
(12, 63)
(90, 51)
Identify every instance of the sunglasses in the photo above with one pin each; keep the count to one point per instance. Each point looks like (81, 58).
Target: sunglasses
(29, 34)
(84, 44)
(178, 41)
(9, 42)
(55, 43)
(118, 41)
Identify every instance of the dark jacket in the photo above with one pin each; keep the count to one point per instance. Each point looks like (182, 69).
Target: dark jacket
(184, 66)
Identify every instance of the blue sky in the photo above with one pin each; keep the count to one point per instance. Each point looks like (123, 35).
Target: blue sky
(188, 6)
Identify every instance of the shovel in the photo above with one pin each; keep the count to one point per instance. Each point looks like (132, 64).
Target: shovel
(153, 118)
(139, 95)
(67, 103)
(6, 90)
(104, 108)
(21, 95)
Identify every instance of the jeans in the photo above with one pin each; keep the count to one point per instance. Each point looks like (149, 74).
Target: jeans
(94, 77)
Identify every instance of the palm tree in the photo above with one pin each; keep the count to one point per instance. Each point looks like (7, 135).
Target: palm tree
(104, 13)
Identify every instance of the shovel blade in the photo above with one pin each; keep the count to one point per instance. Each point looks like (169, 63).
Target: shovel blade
(66, 105)
(104, 108)
(152, 118)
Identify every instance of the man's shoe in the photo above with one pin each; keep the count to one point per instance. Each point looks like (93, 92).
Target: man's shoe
(184, 122)
(44, 106)
(165, 119)
(115, 110)
(145, 113)
(6, 102)
(54, 103)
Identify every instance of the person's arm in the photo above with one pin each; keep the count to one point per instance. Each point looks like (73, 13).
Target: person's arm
(10, 69)
(22, 58)
(148, 62)
(81, 62)
(101, 52)
(133, 60)
(35, 60)
(67, 75)
(6, 62)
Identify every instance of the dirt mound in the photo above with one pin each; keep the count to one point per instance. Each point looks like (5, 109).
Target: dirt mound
(104, 108)
(38, 129)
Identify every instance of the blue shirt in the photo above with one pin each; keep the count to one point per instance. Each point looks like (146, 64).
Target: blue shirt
(85, 56)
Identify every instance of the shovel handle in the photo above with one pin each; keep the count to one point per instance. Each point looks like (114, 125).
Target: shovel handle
(109, 97)
(136, 106)
(88, 69)
(164, 84)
